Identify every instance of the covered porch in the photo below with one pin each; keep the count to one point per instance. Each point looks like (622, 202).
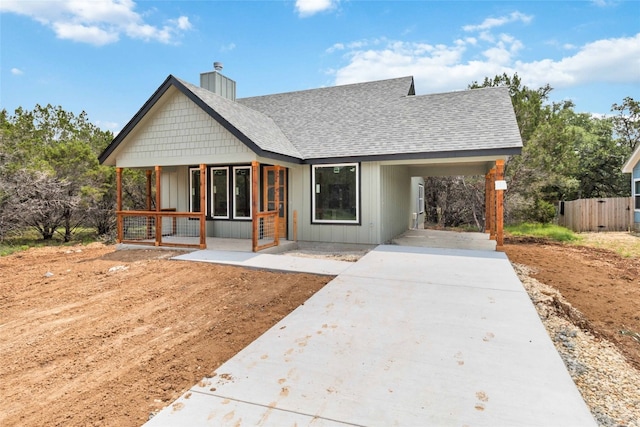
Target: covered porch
(188, 229)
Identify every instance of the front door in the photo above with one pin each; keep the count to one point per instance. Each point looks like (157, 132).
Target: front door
(269, 196)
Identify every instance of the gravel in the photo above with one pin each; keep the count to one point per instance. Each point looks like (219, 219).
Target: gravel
(609, 385)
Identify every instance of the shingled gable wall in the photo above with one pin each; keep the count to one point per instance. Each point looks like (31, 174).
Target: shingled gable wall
(178, 132)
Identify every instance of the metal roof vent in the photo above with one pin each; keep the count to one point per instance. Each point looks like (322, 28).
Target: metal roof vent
(217, 66)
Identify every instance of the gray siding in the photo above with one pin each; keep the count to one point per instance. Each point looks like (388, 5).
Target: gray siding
(395, 195)
(365, 233)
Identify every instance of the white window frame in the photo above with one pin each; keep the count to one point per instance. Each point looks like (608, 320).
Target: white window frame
(215, 190)
(314, 190)
(235, 168)
(191, 189)
(636, 195)
(420, 198)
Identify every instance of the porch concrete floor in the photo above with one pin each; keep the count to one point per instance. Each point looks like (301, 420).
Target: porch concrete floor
(406, 336)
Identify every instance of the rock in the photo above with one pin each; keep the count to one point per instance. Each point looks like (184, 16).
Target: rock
(48, 274)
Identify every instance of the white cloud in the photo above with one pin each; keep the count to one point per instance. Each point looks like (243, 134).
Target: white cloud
(311, 7)
(228, 48)
(490, 23)
(438, 68)
(17, 71)
(97, 22)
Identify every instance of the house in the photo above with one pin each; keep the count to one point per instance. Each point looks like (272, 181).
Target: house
(335, 164)
(632, 166)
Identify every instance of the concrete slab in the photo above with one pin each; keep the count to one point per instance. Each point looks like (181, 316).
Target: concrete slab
(269, 261)
(406, 337)
(445, 239)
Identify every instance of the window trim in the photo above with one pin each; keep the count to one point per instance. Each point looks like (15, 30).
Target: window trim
(233, 191)
(636, 195)
(420, 199)
(191, 169)
(314, 220)
(213, 186)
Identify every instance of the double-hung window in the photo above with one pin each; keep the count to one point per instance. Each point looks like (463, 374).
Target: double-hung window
(336, 193)
(220, 192)
(636, 193)
(242, 192)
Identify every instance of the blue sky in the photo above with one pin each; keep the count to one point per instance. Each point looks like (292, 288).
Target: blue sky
(107, 57)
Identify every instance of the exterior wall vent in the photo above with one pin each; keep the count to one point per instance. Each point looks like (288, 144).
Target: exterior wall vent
(217, 83)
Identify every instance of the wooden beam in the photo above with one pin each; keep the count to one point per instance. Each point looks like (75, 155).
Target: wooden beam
(119, 222)
(276, 220)
(491, 206)
(254, 205)
(203, 206)
(158, 204)
(499, 205)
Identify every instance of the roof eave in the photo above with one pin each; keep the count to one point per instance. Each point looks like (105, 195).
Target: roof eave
(497, 152)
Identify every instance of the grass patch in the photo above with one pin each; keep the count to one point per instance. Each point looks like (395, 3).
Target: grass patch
(544, 231)
(32, 239)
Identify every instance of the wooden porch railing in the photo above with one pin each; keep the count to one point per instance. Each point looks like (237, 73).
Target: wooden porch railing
(265, 230)
(186, 229)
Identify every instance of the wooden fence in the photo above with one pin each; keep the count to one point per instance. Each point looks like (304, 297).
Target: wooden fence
(611, 214)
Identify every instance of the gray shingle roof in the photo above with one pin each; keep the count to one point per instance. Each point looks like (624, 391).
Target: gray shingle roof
(379, 119)
(258, 127)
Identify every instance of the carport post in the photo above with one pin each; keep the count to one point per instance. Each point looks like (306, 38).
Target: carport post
(158, 204)
(499, 205)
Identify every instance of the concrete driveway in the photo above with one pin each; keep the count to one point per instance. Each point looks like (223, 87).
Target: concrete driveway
(407, 336)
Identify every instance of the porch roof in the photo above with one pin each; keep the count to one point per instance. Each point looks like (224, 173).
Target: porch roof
(381, 120)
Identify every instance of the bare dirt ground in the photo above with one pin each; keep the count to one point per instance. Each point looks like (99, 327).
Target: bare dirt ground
(94, 337)
(604, 286)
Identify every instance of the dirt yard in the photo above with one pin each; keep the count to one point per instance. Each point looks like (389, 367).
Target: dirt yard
(94, 337)
(603, 285)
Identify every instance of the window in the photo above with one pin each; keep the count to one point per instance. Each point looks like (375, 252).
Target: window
(220, 192)
(336, 193)
(636, 193)
(242, 192)
(420, 207)
(194, 185)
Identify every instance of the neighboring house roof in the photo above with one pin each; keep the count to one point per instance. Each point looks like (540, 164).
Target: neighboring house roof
(365, 121)
(632, 162)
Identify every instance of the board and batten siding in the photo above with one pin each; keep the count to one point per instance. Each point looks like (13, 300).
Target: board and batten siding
(300, 200)
(178, 132)
(396, 201)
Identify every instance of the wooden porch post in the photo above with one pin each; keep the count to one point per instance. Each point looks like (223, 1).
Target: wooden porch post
(148, 205)
(254, 205)
(158, 216)
(276, 220)
(499, 205)
(491, 205)
(203, 207)
(119, 224)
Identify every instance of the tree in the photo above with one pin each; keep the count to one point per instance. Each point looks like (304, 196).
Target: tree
(627, 122)
(54, 154)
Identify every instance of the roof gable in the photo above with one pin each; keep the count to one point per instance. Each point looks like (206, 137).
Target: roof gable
(256, 131)
(632, 162)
